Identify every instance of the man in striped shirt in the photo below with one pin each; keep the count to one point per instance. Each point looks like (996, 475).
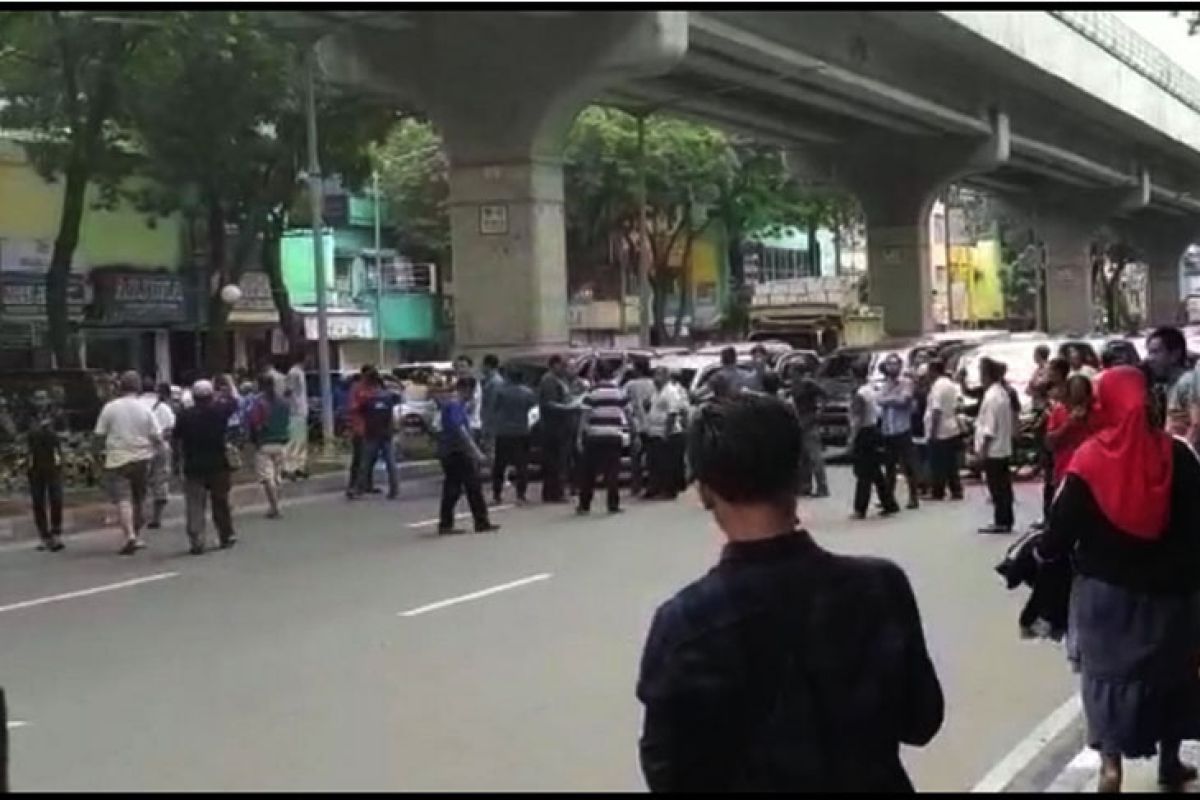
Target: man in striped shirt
(602, 435)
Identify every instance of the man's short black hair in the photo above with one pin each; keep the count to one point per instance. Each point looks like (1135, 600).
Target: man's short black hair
(746, 449)
(1172, 339)
(1041, 351)
(555, 360)
(1059, 367)
(604, 370)
(757, 350)
(728, 356)
(491, 361)
(989, 369)
(937, 366)
(466, 358)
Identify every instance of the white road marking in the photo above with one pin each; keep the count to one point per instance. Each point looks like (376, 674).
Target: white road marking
(1028, 748)
(16, 723)
(464, 515)
(504, 587)
(57, 598)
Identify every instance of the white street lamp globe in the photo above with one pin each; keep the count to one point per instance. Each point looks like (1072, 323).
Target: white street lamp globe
(231, 294)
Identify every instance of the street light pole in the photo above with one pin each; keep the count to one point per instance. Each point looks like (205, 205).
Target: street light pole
(378, 268)
(318, 231)
(643, 238)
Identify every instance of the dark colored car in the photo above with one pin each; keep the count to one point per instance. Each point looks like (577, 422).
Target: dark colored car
(836, 377)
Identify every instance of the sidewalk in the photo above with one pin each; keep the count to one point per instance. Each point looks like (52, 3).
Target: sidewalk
(1140, 775)
(93, 512)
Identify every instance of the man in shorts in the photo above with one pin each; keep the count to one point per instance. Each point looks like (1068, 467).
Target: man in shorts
(130, 435)
(269, 427)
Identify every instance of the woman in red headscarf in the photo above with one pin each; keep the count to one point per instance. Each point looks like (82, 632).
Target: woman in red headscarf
(1128, 514)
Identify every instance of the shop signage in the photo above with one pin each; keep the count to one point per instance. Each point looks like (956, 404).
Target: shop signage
(493, 219)
(341, 327)
(31, 255)
(23, 296)
(130, 298)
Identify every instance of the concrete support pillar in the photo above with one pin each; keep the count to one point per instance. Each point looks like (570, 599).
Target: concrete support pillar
(503, 89)
(896, 180)
(510, 254)
(1070, 305)
(1067, 224)
(1161, 242)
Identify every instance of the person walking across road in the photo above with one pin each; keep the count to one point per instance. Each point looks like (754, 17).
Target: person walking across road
(200, 432)
(867, 448)
(944, 434)
(511, 404)
(786, 668)
(807, 396)
(44, 446)
(158, 400)
(295, 455)
(602, 432)
(896, 411)
(1127, 517)
(993, 444)
(378, 409)
(461, 457)
(555, 415)
(666, 437)
(269, 431)
(130, 437)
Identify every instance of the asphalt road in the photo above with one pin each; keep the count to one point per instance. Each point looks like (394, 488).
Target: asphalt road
(287, 663)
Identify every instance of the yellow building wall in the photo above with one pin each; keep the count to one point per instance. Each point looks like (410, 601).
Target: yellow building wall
(30, 209)
(977, 293)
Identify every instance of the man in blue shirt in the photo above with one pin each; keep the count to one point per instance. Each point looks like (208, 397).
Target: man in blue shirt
(461, 457)
(896, 402)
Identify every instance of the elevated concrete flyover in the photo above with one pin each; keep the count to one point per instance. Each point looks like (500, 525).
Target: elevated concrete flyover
(1066, 112)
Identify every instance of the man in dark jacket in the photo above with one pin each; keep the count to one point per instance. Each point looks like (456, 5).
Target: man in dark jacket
(200, 433)
(786, 668)
(44, 445)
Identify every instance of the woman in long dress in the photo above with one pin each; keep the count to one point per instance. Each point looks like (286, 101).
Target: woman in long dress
(1128, 513)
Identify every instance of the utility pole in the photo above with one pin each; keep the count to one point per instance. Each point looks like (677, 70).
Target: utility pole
(643, 237)
(378, 269)
(318, 231)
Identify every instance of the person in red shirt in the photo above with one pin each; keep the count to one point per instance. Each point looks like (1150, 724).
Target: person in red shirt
(1069, 423)
(358, 426)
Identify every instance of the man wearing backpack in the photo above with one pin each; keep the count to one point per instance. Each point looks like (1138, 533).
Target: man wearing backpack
(269, 419)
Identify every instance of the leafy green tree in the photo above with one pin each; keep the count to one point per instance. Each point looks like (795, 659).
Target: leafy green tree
(63, 87)
(414, 177)
(239, 169)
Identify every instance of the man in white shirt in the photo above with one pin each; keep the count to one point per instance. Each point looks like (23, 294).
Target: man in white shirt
(295, 455)
(866, 447)
(130, 435)
(993, 444)
(640, 390)
(159, 402)
(665, 435)
(945, 436)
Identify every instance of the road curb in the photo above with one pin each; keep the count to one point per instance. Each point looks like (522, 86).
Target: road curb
(100, 515)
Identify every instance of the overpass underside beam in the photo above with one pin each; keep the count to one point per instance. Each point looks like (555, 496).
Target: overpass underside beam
(1161, 242)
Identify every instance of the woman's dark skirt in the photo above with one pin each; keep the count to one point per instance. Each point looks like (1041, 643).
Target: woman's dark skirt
(1137, 657)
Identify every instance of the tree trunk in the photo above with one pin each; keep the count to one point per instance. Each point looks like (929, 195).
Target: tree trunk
(59, 274)
(814, 249)
(216, 352)
(685, 285)
(289, 320)
(837, 247)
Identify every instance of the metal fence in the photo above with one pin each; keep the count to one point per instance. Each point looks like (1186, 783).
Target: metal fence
(1130, 48)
